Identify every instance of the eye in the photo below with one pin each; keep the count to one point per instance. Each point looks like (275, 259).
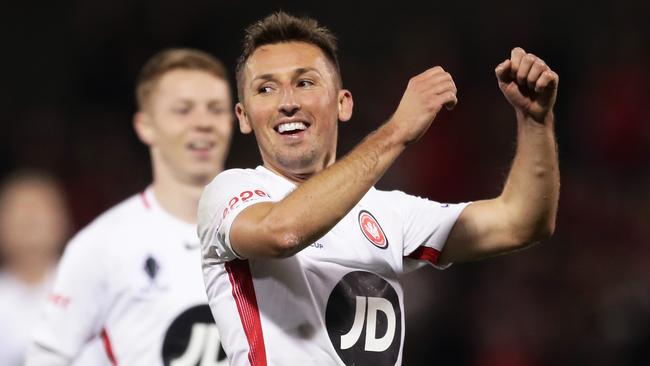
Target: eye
(181, 110)
(264, 89)
(218, 110)
(305, 83)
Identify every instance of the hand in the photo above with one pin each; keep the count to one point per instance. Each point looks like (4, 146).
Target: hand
(528, 84)
(425, 95)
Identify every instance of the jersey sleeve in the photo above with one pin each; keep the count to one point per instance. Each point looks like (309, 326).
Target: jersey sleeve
(223, 199)
(73, 312)
(426, 227)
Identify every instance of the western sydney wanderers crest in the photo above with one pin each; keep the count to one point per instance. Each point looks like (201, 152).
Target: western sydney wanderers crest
(372, 230)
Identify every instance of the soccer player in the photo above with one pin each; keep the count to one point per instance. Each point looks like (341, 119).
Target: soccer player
(132, 276)
(301, 255)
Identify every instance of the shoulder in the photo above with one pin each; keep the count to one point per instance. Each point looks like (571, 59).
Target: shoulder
(228, 182)
(393, 198)
(111, 225)
(235, 176)
(397, 197)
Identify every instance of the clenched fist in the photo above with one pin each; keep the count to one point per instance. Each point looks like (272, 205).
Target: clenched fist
(425, 95)
(528, 84)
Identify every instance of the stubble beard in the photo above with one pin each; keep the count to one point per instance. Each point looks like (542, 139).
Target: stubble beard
(298, 162)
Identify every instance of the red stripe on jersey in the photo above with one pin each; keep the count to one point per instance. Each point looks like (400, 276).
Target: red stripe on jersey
(425, 254)
(108, 347)
(145, 201)
(244, 293)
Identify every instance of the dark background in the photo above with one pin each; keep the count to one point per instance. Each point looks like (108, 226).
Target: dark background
(582, 297)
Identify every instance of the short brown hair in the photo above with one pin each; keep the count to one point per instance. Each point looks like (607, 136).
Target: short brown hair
(173, 59)
(281, 27)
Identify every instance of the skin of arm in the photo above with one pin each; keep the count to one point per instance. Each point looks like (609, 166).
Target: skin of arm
(525, 211)
(283, 228)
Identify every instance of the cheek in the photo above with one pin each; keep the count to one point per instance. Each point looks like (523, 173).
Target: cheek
(171, 130)
(224, 126)
(259, 116)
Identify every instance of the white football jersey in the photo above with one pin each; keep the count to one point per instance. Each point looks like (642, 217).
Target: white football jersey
(338, 301)
(133, 278)
(18, 307)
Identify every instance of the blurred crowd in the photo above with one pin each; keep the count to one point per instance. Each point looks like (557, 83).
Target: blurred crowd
(67, 152)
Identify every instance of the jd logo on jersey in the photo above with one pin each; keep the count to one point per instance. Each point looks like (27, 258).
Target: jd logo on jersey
(193, 340)
(371, 229)
(364, 320)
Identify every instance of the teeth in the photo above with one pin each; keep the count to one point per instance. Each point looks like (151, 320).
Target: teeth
(200, 145)
(292, 126)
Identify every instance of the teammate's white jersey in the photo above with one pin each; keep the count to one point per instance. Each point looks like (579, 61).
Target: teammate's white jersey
(133, 278)
(19, 303)
(20, 307)
(338, 301)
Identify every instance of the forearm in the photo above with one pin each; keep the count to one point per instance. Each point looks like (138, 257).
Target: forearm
(531, 191)
(319, 203)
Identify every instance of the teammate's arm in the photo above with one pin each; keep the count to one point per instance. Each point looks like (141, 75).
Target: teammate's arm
(283, 228)
(526, 210)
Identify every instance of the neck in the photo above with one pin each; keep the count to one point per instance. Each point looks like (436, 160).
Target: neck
(299, 176)
(179, 199)
(33, 270)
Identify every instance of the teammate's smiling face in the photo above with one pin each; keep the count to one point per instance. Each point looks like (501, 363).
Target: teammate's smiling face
(293, 104)
(187, 123)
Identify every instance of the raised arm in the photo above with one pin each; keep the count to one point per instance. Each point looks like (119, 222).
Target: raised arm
(280, 229)
(526, 210)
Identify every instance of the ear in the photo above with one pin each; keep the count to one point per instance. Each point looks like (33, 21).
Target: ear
(143, 127)
(345, 104)
(244, 124)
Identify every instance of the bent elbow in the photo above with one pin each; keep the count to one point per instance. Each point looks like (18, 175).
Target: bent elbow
(545, 231)
(286, 245)
(535, 234)
(285, 239)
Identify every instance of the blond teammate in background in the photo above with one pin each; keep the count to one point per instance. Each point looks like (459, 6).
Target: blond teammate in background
(132, 276)
(301, 256)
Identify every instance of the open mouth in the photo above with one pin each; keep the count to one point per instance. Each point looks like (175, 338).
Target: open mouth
(200, 145)
(291, 128)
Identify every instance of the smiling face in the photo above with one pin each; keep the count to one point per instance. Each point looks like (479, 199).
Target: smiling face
(292, 103)
(187, 123)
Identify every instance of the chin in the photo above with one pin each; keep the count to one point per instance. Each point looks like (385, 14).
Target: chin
(203, 176)
(298, 164)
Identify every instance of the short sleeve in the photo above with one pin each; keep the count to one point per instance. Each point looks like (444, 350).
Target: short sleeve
(75, 309)
(223, 199)
(427, 225)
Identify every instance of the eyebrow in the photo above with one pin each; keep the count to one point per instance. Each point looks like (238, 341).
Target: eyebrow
(183, 100)
(298, 71)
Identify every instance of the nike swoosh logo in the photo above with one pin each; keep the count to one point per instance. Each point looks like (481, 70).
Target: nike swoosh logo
(191, 246)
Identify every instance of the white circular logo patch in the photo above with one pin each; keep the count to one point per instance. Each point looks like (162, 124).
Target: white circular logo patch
(371, 229)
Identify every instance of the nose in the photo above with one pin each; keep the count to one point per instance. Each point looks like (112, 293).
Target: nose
(289, 105)
(203, 122)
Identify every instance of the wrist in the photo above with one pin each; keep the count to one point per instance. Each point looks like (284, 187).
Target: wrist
(392, 135)
(546, 120)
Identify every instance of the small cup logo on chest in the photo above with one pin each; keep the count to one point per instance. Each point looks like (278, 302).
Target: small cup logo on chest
(372, 230)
